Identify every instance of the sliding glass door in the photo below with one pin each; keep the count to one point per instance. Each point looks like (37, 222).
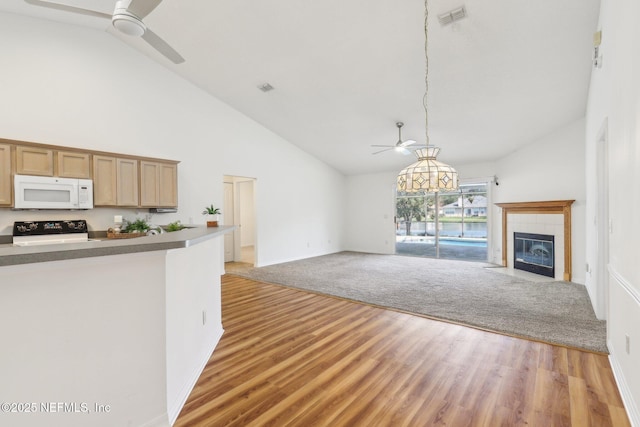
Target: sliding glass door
(443, 225)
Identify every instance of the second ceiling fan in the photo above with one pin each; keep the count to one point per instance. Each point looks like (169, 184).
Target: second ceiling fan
(400, 146)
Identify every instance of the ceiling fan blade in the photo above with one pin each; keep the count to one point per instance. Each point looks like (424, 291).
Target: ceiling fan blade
(405, 151)
(142, 8)
(407, 143)
(67, 8)
(161, 46)
(388, 146)
(382, 151)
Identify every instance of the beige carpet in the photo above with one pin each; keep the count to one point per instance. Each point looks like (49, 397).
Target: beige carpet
(460, 291)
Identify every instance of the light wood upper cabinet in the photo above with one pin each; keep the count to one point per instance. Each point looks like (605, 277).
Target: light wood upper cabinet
(105, 188)
(149, 184)
(73, 165)
(168, 185)
(5, 175)
(115, 181)
(34, 161)
(158, 184)
(127, 182)
(118, 179)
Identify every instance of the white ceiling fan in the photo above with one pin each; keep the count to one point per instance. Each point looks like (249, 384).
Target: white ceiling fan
(127, 18)
(400, 146)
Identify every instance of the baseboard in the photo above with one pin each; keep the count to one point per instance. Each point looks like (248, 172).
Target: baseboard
(625, 392)
(174, 408)
(291, 259)
(579, 280)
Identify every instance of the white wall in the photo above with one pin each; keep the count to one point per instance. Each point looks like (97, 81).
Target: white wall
(370, 211)
(78, 87)
(614, 98)
(529, 174)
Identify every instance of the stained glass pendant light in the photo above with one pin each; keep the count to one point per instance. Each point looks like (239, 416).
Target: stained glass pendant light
(427, 174)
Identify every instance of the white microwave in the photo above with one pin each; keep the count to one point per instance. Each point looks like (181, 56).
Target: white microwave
(49, 192)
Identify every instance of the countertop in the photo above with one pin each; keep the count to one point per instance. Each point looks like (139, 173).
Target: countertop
(15, 255)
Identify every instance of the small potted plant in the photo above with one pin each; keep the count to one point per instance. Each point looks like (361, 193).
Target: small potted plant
(139, 226)
(174, 226)
(212, 215)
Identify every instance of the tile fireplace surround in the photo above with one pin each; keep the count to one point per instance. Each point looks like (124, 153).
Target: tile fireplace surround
(554, 207)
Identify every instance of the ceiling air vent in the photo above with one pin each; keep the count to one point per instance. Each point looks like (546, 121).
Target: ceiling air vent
(452, 16)
(265, 87)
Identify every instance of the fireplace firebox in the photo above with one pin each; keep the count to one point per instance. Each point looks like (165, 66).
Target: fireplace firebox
(534, 253)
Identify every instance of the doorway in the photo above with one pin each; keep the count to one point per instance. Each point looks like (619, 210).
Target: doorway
(239, 210)
(450, 225)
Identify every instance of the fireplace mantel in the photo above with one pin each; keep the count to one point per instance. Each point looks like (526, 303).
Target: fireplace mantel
(549, 207)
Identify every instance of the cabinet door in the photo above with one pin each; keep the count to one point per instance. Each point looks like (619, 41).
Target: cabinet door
(168, 181)
(34, 161)
(73, 165)
(127, 182)
(104, 181)
(5, 175)
(149, 184)
(158, 184)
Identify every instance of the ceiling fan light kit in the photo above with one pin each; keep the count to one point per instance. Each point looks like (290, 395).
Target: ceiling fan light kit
(128, 24)
(399, 149)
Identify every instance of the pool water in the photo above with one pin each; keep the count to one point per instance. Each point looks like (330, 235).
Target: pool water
(475, 243)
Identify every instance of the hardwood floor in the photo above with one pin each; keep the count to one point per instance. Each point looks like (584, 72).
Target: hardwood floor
(291, 358)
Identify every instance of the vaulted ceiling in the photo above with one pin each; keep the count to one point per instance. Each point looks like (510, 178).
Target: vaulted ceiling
(344, 71)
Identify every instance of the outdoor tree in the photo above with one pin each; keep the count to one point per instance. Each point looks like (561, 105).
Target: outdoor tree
(429, 206)
(410, 209)
(446, 199)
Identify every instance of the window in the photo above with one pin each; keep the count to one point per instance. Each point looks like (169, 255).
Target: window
(461, 223)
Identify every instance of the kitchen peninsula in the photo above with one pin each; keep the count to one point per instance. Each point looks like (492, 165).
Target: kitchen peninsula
(112, 332)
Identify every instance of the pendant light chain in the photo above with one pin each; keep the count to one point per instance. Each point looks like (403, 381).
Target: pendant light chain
(426, 72)
(427, 175)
